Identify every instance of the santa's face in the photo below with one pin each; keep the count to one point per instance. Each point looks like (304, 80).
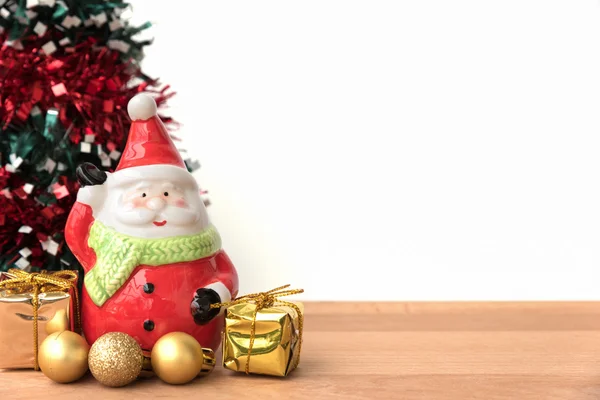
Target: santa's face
(153, 208)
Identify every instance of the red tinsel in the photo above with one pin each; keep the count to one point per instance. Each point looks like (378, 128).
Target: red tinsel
(87, 83)
(89, 86)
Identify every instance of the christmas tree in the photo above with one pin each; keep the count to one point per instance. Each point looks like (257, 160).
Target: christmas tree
(67, 70)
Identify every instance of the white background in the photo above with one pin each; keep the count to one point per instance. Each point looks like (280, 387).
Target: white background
(394, 150)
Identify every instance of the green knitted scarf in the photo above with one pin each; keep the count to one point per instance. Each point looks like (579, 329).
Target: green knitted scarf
(117, 255)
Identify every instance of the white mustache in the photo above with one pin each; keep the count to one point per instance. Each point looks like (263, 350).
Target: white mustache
(179, 216)
(143, 216)
(138, 216)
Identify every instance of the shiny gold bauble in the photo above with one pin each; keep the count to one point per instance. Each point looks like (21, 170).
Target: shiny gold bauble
(177, 358)
(116, 359)
(59, 323)
(63, 356)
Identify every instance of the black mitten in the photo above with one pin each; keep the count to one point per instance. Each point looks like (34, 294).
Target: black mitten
(88, 175)
(201, 309)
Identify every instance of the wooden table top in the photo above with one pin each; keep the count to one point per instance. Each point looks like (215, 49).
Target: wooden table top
(398, 351)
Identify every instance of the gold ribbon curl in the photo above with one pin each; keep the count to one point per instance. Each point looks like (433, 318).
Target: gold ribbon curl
(24, 282)
(265, 300)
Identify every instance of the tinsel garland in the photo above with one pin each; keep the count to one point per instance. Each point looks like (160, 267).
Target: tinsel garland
(67, 71)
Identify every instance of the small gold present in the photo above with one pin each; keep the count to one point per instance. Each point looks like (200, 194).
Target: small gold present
(263, 335)
(32, 306)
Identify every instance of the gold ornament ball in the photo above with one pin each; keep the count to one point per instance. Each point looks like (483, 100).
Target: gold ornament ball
(63, 356)
(177, 358)
(59, 323)
(116, 359)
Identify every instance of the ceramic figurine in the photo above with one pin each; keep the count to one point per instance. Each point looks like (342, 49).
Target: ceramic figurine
(153, 262)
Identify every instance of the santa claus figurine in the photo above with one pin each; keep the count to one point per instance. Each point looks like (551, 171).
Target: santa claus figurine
(153, 262)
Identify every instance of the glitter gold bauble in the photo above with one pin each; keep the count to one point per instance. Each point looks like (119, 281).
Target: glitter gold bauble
(177, 358)
(116, 359)
(63, 356)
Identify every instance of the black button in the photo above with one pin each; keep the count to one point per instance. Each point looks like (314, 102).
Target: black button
(148, 325)
(148, 288)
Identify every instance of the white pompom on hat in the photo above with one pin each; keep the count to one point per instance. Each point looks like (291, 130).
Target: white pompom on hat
(141, 107)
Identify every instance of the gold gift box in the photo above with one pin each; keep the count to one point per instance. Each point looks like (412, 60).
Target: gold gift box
(16, 323)
(276, 347)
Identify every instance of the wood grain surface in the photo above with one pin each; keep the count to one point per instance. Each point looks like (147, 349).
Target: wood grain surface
(398, 351)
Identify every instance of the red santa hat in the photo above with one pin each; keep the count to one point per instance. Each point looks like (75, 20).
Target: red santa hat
(149, 152)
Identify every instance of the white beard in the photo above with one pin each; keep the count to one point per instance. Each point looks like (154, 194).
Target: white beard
(144, 216)
(139, 222)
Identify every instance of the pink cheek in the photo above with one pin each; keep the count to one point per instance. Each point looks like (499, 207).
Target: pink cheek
(180, 203)
(138, 202)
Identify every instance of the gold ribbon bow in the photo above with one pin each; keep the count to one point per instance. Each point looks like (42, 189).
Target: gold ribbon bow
(24, 282)
(265, 300)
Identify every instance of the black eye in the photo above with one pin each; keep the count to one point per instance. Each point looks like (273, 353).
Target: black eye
(143, 194)
(166, 193)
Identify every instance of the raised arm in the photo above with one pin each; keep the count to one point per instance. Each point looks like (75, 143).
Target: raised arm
(77, 232)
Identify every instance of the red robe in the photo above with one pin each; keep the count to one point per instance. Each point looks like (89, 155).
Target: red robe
(154, 300)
